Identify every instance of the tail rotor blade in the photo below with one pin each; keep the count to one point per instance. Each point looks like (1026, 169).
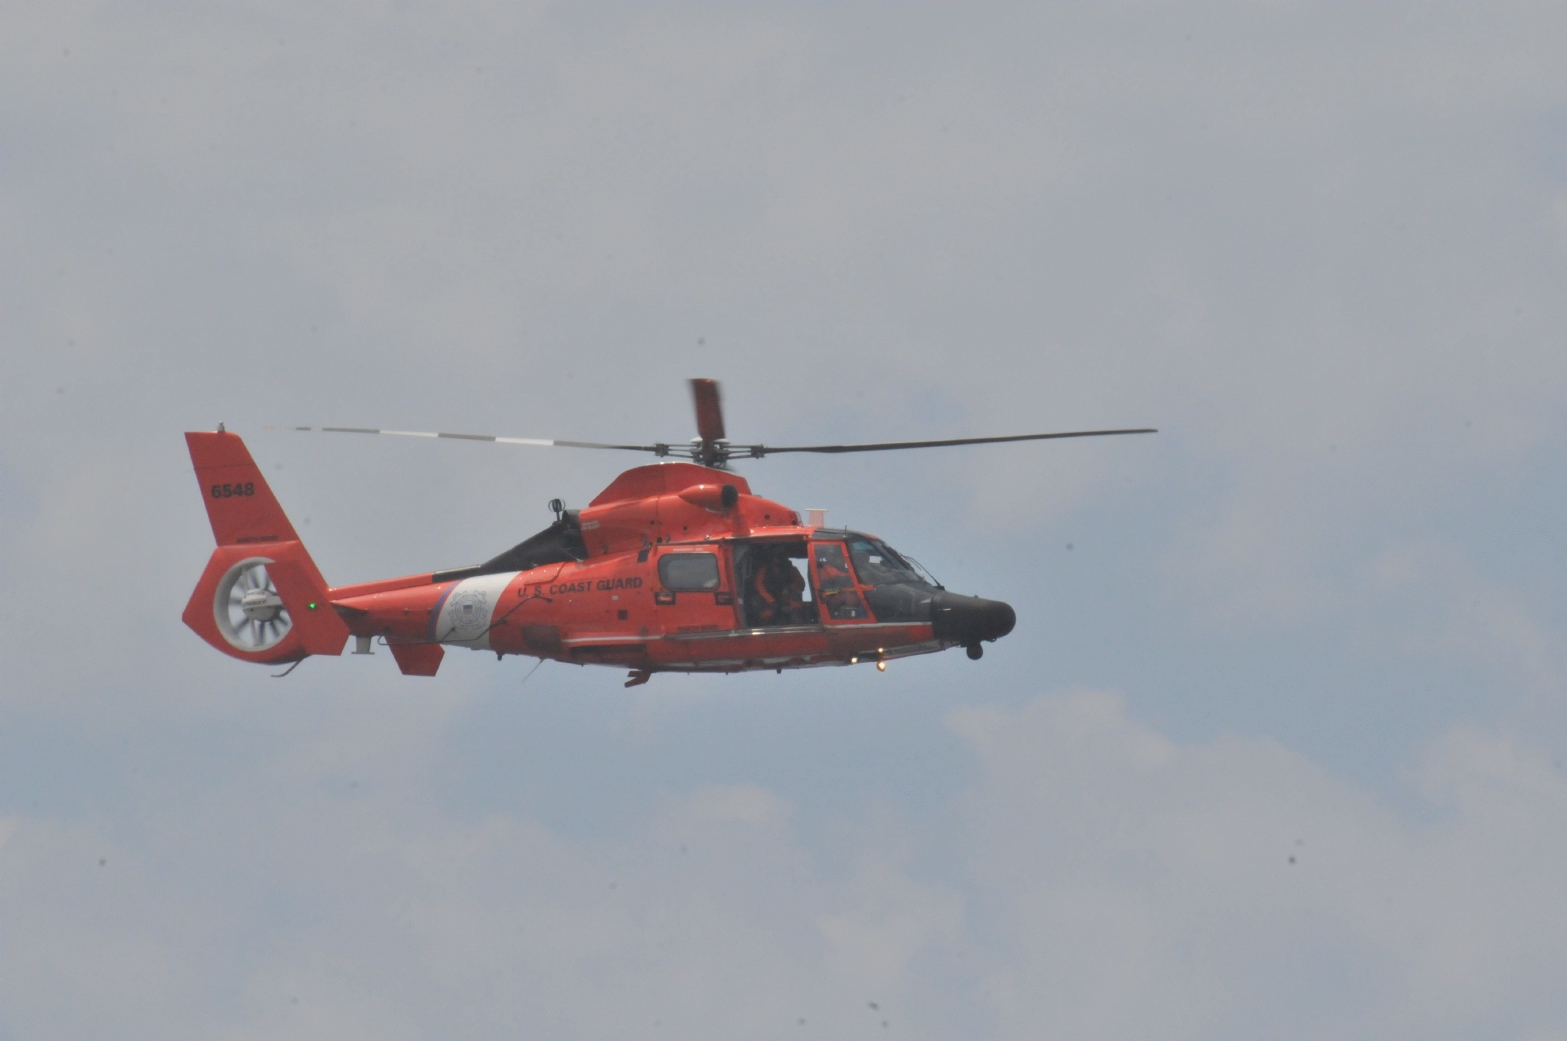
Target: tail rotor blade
(709, 414)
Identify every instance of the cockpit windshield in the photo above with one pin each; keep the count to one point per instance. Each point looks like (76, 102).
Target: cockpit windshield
(878, 564)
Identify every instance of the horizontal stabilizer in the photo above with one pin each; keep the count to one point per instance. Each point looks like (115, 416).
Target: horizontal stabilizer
(418, 659)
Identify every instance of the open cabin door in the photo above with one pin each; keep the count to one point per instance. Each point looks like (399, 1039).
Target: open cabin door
(771, 579)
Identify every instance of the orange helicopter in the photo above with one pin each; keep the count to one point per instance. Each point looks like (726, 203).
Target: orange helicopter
(675, 567)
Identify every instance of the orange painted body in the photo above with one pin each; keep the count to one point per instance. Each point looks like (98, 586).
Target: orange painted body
(655, 586)
(603, 610)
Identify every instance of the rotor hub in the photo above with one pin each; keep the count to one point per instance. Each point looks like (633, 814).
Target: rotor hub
(261, 605)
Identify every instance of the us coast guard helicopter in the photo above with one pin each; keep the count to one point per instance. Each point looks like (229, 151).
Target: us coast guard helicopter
(675, 567)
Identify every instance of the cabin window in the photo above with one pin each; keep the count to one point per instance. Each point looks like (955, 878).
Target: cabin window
(688, 572)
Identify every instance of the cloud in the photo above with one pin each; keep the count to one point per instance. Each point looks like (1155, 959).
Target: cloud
(1095, 877)
(1226, 888)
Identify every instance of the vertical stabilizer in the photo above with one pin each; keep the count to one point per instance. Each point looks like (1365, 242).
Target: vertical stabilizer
(261, 597)
(240, 504)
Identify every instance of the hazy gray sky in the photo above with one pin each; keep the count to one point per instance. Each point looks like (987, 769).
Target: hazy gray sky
(1276, 749)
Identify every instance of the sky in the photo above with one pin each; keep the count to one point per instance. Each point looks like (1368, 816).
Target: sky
(1276, 749)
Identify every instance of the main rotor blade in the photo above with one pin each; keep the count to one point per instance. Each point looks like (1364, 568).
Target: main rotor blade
(757, 451)
(710, 453)
(655, 449)
(709, 414)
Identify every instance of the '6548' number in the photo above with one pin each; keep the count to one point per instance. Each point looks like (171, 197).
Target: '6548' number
(228, 491)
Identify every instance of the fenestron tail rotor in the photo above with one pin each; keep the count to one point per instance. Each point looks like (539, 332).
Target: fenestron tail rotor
(710, 448)
(248, 611)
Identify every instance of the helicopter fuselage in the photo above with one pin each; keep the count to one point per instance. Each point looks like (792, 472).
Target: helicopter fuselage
(673, 567)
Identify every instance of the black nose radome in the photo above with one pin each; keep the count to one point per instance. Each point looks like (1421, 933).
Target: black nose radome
(968, 619)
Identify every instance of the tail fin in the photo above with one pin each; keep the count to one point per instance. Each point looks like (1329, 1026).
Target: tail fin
(261, 598)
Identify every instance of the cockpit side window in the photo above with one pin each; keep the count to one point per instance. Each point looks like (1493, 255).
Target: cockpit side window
(835, 584)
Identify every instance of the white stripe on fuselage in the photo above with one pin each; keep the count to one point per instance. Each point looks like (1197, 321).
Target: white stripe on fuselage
(469, 611)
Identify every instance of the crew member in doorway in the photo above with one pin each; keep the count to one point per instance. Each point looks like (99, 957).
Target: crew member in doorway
(794, 592)
(766, 593)
(777, 591)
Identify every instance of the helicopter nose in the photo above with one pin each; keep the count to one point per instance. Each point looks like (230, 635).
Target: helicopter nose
(969, 619)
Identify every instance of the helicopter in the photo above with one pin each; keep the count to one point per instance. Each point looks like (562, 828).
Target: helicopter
(676, 566)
